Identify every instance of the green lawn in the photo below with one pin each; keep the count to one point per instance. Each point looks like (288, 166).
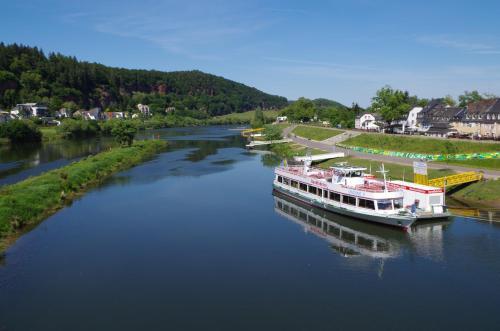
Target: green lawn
(49, 133)
(289, 150)
(247, 117)
(420, 145)
(315, 133)
(493, 164)
(484, 192)
(396, 171)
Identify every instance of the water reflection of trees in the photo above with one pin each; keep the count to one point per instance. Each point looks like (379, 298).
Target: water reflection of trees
(26, 156)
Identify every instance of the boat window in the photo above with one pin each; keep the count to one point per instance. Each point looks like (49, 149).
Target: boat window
(312, 189)
(385, 205)
(363, 203)
(286, 181)
(334, 196)
(295, 184)
(349, 200)
(303, 187)
(320, 192)
(325, 194)
(280, 179)
(398, 203)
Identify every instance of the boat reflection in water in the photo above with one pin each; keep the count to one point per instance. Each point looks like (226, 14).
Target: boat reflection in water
(351, 237)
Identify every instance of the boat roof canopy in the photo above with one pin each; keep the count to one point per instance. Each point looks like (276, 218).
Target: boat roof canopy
(347, 169)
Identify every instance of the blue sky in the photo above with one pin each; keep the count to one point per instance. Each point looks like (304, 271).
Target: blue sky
(342, 50)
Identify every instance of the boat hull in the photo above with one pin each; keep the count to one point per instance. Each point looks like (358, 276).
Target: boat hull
(392, 220)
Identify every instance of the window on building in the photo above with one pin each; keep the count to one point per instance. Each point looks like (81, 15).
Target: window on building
(398, 203)
(334, 196)
(303, 187)
(384, 204)
(349, 200)
(363, 203)
(312, 190)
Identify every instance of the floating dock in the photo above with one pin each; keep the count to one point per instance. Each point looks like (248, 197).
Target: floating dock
(267, 142)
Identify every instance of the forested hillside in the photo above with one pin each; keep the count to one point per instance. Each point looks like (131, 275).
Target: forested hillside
(28, 75)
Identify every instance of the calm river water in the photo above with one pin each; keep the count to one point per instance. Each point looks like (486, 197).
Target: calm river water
(194, 239)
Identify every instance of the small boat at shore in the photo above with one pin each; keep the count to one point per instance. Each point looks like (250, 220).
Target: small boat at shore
(350, 191)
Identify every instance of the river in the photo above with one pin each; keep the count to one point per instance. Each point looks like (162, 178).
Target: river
(194, 239)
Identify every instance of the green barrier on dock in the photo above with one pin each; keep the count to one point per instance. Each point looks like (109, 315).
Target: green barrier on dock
(429, 157)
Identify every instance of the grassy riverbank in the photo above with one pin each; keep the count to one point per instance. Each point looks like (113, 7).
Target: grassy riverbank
(25, 204)
(398, 143)
(315, 133)
(396, 171)
(493, 164)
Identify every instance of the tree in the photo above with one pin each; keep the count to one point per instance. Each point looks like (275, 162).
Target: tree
(449, 101)
(124, 132)
(468, 97)
(301, 110)
(20, 131)
(273, 132)
(391, 104)
(258, 119)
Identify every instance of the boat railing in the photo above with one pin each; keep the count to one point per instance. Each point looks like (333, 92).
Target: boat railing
(312, 171)
(375, 188)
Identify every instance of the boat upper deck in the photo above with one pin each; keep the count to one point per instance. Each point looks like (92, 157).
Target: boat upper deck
(316, 173)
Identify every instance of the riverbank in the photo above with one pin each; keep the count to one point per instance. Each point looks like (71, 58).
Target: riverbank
(484, 193)
(27, 203)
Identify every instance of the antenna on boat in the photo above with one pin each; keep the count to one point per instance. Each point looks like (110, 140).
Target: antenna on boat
(384, 172)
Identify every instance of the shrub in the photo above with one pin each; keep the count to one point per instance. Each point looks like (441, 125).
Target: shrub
(73, 129)
(273, 132)
(20, 131)
(124, 132)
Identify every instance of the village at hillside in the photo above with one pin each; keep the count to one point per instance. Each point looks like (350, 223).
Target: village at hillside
(477, 120)
(41, 111)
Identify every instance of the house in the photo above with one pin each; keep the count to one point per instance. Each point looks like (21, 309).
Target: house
(481, 119)
(113, 115)
(281, 119)
(27, 110)
(144, 109)
(62, 113)
(5, 116)
(93, 114)
(436, 119)
(411, 120)
(368, 122)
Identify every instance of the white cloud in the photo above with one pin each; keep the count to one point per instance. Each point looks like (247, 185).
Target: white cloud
(475, 47)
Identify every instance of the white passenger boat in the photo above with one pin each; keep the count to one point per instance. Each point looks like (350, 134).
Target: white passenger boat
(351, 191)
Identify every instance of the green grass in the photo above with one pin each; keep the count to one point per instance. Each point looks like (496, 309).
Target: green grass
(420, 145)
(28, 202)
(247, 117)
(315, 133)
(289, 150)
(50, 133)
(484, 192)
(493, 164)
(396, 171)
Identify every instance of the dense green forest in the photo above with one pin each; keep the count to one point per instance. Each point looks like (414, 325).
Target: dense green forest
(28, 75)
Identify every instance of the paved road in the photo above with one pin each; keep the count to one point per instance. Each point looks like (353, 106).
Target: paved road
(384, 158)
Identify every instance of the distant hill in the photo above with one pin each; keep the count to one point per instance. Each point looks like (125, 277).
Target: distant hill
(28, 75)
(326, 103)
